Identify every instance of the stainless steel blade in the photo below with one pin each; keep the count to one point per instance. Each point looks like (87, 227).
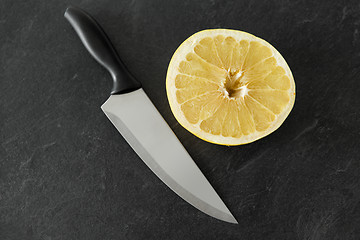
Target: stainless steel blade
(137, 119)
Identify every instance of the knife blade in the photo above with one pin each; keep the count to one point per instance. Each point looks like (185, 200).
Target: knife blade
(136, 118)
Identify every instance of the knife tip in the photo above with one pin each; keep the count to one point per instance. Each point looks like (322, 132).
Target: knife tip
(232, 219)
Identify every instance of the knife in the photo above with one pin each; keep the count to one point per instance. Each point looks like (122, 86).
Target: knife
(136, 118)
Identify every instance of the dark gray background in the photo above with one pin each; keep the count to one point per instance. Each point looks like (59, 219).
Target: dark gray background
(66, 173)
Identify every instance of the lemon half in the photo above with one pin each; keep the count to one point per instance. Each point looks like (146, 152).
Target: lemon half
(229, 87)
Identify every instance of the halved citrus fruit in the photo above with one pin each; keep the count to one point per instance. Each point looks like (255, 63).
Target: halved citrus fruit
(229, 87)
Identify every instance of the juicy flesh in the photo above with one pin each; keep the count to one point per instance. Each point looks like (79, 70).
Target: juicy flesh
(231, 88)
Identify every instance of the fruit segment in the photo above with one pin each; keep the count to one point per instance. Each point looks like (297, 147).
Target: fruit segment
(196, 66)
(239, 53)
(274, 100)
(257, 53)
(262, 116)
(207, 51)
(193, 106)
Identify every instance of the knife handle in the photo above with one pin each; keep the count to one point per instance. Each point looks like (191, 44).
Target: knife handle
(99, 46)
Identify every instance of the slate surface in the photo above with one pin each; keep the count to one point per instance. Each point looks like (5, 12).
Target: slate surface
(65, 172)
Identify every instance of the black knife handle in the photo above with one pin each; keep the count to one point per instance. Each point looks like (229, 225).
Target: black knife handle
(98, 44)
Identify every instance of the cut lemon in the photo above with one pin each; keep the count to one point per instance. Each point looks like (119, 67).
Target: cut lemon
(229, 87)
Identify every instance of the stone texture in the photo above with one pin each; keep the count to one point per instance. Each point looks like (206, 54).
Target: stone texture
(66, 173)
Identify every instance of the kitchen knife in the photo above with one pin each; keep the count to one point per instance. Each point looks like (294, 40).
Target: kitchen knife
(142, 126)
